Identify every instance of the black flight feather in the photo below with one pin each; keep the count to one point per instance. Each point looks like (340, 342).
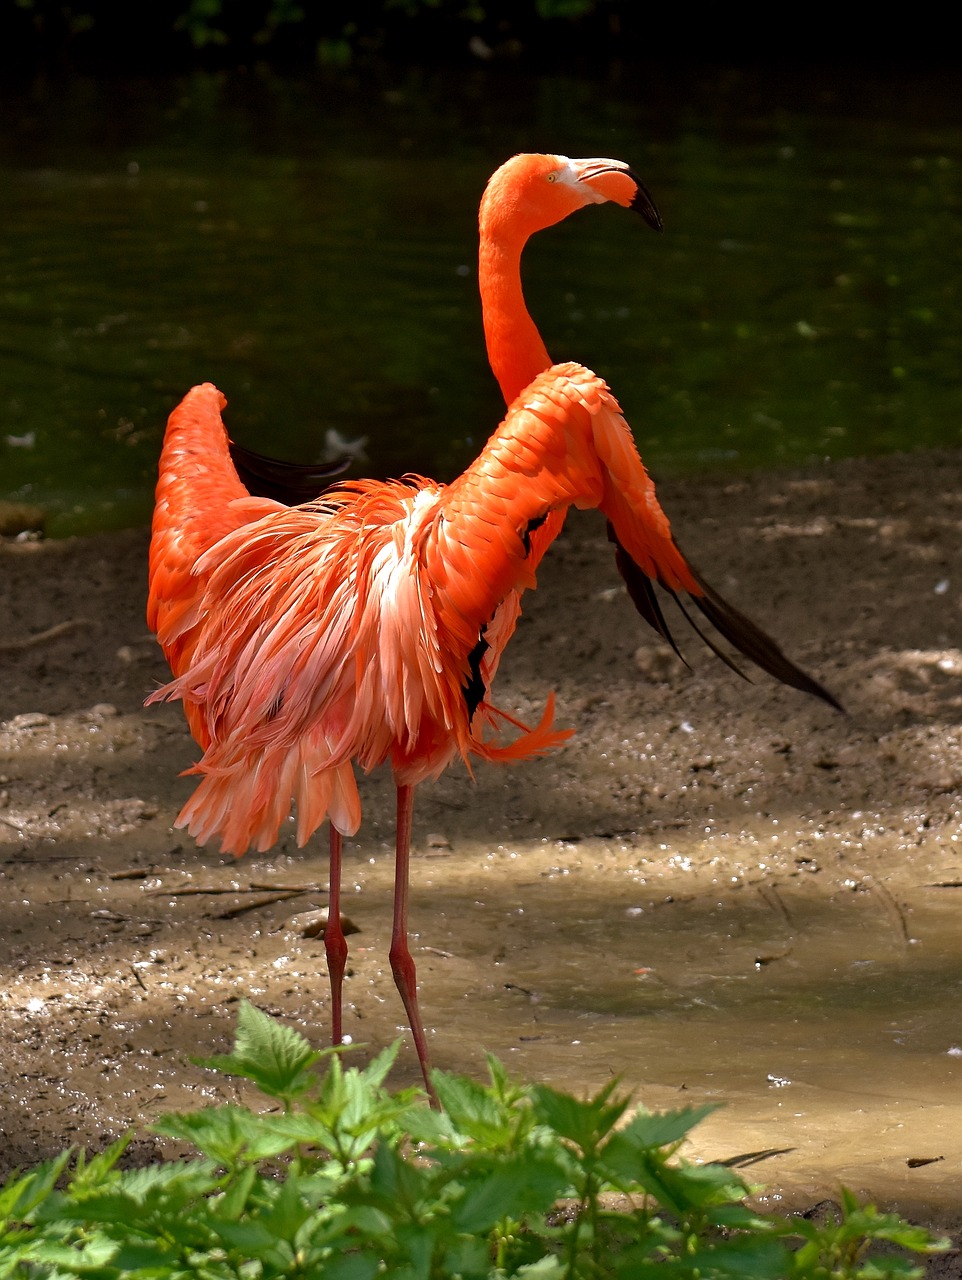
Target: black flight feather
(642, 592)
(474, 689)
(290, 482)
(756, 644)
(526, 532)
(728, 621)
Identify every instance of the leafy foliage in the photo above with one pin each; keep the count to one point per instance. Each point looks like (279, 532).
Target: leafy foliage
(350, 1181)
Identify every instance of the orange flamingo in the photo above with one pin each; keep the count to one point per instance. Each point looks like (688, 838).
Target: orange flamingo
(365, 627)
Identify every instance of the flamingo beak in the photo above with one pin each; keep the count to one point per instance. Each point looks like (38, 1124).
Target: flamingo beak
(642, 203)
(611, 180)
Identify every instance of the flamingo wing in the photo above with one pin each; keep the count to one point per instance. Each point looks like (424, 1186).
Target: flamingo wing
(646, 553)
(565, 442)
(199, 499)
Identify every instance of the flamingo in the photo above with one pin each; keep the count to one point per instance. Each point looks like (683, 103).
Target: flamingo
(365, 627)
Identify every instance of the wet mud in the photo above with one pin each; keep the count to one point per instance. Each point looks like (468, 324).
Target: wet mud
(717, 890)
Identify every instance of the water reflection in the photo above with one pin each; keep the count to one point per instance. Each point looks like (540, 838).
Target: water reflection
(309, 246)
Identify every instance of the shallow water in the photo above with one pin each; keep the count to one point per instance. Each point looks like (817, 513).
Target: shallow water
(309, 245)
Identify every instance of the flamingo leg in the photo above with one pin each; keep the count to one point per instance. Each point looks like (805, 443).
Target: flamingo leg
(335, 943)
(402, 965)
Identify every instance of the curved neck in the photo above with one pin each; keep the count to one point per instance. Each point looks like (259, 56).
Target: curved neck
(515, 349)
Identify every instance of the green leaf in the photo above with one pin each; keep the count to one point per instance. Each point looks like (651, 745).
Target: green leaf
(469, 1256)
(351, 1110)
(254, 1238)
(509, 1189)
(436, 1128)
(649, 1129)
(353, 1266)
(376, 1071)
(22, 1192)
(155, 1258)
(738, 1258)
(396, 1183)
(291, 1209)
(136, 1201)
(234, 1201)
(230, 1135)
(95, 1171)
(93, 1254)
(474, 1109)
(550, 1267)
(586, 1123)
(275, 1057)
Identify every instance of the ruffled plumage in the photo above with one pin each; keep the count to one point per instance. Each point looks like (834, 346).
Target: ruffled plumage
(353, 629)
(343, 630)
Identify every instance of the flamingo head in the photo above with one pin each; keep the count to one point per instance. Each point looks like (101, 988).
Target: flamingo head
(530, 192)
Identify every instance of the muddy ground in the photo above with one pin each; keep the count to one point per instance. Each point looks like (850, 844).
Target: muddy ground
(718, 889)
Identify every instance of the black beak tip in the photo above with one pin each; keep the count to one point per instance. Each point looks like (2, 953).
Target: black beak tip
(645, 205)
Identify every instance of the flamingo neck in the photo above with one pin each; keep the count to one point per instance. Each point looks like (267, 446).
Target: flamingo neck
(516, 351)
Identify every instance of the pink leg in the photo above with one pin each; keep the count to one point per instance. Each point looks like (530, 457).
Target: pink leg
(405, 974)
(335, 943)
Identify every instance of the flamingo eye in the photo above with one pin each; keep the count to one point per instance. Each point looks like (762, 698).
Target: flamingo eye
(552, 177)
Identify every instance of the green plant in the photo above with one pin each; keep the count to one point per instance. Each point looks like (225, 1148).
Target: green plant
(346, 1180)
